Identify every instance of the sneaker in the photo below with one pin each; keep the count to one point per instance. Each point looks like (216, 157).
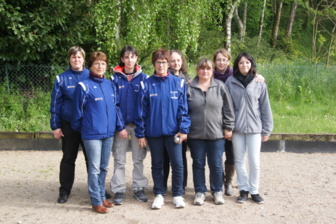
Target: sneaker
(158, 201)
(119, 198)
(257, 199)
(218, 198)
(242, 196)
(140, 195)
(179, 202)
(107, 195)
(199, 198)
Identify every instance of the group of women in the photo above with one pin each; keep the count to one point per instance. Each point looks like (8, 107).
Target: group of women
(166, 111)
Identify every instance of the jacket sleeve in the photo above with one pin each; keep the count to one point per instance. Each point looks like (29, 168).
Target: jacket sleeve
(79, 100)
(265, 112)
(141, 111)
(227, 110)
(182, 115)
(120, 121)
(56, 104)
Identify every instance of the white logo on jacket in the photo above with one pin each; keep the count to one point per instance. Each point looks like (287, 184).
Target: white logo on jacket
(173, 94)
(98, 98)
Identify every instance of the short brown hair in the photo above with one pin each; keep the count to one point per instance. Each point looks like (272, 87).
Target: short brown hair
(97, 55)
(160, 54)
(74, 50)
(204, 63)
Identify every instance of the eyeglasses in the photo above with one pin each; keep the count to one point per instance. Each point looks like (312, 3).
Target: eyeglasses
(161, 62)
(222, 60)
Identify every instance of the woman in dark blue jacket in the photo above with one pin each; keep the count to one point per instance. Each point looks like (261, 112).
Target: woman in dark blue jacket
(127, 77)
(61, 115)
(97, 117)
(162, 115)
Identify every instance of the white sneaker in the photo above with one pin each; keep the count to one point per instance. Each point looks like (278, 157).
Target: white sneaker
(179, 202)
(218, 198)
(199, 198)
(158, 201)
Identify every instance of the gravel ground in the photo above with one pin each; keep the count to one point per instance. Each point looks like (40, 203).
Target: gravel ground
(297, 188)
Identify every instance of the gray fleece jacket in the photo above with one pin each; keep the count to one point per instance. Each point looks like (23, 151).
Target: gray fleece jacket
(252, 107)
(210, 113)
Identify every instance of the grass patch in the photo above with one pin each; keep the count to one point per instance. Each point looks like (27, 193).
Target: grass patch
(304, 117)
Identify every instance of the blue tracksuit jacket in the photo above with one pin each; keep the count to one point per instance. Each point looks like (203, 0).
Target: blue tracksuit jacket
(162, 108)
(96, 114)
(62, 96)
(128, 91)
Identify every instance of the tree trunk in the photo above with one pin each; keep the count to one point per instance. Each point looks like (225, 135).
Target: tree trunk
(291, 19)
(227, 24)
(332, 37)
(276, 24)
(261, 22)
(241, 22)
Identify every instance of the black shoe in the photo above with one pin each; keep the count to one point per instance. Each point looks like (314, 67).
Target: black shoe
(243, 196)
(107, 195)
(62, 198)
(119, 198)
(257, 199)
(140, 195)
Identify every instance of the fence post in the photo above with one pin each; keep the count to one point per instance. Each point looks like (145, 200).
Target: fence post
(7, 78)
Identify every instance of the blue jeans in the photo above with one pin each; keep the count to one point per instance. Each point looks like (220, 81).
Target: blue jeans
(213, 150)
(98, 155)
(157, 147)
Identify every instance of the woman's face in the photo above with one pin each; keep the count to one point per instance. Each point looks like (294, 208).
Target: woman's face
(175, 62)
(205, 73)
(77, 61)
(161, 67)
(221, 63)
(129, 60)
(244, 66)
(98, 67)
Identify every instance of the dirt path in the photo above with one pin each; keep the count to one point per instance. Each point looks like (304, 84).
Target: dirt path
(297, 188)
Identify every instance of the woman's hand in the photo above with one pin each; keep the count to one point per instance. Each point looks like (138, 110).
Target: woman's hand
(182, 137)
(228, 135)
(142, 142)
(123, 134)
(264, 138)
(259, 78)
(58, 134)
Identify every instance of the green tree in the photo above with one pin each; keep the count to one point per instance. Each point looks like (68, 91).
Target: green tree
(41, 31)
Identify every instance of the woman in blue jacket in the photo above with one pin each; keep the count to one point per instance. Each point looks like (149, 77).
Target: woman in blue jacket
(97, 117)
(127, 77)
(61, 115)
(162, 115)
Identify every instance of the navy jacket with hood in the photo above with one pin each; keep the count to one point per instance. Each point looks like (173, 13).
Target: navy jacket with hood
(62, 96)
(128, 91)
(96, 114)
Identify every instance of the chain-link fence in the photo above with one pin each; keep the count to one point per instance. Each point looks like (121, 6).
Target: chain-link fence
(28, 77)
(38, 77)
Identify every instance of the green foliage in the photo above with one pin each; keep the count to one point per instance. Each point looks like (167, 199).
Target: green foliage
(40, 31)
(24, 112)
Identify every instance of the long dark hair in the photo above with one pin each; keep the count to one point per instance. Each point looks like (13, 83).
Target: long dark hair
(124, 50)
(253, 69)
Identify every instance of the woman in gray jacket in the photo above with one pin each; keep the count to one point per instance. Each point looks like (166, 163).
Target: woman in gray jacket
(212, 120)
(253, 124)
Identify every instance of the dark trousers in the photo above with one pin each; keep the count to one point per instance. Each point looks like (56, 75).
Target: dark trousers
(229, 153)
(166, 165)
(157, 147)
(70, 145)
